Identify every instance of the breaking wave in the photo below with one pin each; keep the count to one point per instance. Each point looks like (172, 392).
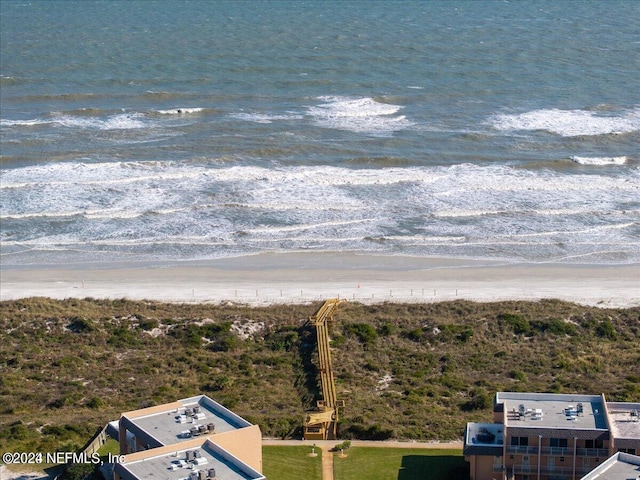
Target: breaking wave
(570, 123)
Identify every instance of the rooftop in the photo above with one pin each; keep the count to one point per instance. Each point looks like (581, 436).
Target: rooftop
(621, 466)
(625, 419)
(204, 461)
(546, 410)
(484, 439)
(186, 419)
(485, 434)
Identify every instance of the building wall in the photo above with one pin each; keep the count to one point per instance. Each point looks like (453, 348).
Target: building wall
(584, 450)
(540, 455)
(481, 468)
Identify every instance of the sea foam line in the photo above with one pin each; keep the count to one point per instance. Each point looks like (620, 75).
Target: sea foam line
(569, 123)
(600, 160)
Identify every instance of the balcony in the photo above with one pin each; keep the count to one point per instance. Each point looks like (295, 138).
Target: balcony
(592, 452)
(559, 451)
(522, 450)
(546, 469)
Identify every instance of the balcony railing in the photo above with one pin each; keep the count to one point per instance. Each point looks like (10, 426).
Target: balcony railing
(560, 451)
(592, 452)
(522, 450)
(545, 469)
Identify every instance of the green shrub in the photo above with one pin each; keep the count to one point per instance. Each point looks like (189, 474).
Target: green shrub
(79, 471)
(366, 333)
(148, 324)
(518, 323)
(373, 432)
(81, 325)
(415, 335)
(605, 329)
(95, 403)
(480, 400)
(387, 329)
(454, 333)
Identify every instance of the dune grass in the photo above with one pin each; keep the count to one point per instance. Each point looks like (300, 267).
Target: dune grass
(406, 371)
(291, 463)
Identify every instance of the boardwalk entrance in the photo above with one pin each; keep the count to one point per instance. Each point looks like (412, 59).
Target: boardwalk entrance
(323, 423)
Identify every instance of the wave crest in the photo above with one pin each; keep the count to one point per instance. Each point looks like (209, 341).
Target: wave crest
(569, 123)
(360, 115)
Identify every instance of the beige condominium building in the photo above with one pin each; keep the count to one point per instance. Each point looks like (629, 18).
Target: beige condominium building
(544, 436)
(192, 439)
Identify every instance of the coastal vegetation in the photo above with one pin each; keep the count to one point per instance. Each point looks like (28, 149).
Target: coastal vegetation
(405, 371)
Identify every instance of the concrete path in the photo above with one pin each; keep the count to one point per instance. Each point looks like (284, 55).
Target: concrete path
(327, 463)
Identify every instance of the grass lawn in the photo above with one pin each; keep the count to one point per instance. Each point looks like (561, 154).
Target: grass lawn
(291, 463)
(400, 464)
(111, 446)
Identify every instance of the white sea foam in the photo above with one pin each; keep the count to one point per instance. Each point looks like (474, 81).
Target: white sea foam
(425, 240)
(600, 160)
(570, 123)
(264, 117)
(245, 207)
(30, 122)
(181, 111)
(360, 115)
(122, 121)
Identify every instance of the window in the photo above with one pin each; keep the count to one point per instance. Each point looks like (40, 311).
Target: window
(632, 451)
(519, 441)
(558, 442)
(593, 444)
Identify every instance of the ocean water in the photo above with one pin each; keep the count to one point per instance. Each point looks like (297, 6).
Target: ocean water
(188, 130)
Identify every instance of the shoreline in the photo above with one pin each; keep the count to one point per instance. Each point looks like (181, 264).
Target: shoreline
(277, 278)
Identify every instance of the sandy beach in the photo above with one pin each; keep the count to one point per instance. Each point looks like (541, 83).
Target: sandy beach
(305, 277)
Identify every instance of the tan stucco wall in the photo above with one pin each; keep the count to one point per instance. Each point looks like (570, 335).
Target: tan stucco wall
(481, 468)
(244, 443)
(165, 407)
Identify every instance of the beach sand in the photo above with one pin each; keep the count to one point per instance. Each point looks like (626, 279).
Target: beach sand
(267, 279)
